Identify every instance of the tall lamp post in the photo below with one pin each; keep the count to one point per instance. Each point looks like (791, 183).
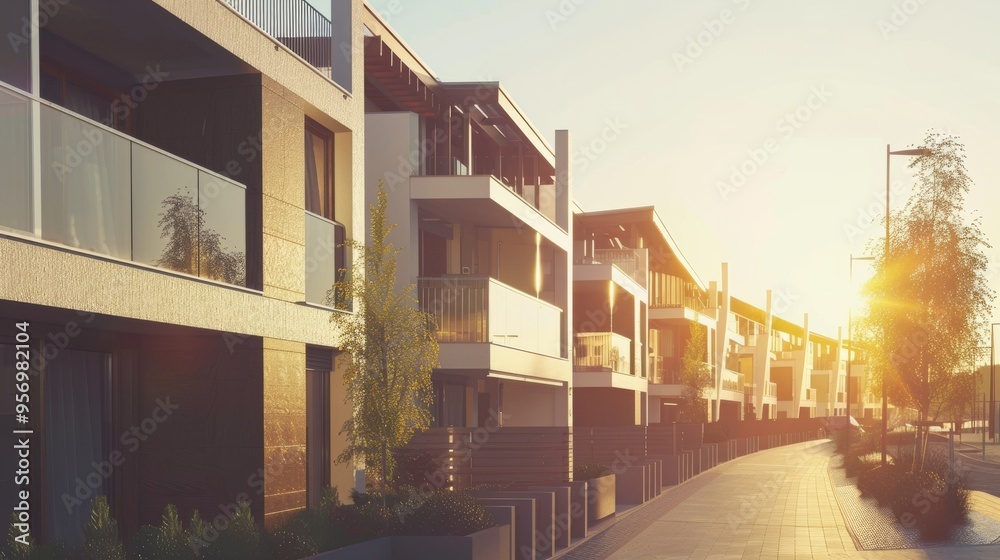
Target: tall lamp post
(993, 381)
(850, 340)
(888, 154)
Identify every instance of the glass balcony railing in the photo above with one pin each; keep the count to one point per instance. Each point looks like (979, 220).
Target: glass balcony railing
(480, 309)
(664, 371)
(326, 261)
(104, 192)
(603, 352)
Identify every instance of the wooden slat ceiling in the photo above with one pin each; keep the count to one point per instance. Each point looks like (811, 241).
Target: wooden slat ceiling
(395, 83)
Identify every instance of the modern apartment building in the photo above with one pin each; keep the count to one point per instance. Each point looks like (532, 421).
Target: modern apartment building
(177, 177)
(610, 320)
(482, 209)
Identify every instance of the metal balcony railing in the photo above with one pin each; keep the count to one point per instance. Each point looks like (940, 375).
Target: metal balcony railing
(295, 24)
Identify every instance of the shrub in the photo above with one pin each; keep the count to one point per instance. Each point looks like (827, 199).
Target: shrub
(354, 524)
(288, 545)
(448, 513)
(101, 531)
(311, 528)
(909, 488)
(240, 540)
(856, 465)
(588, 472)
(167, 541)
(937, 519)
(416, 469)
(14, 549)
(879, 483)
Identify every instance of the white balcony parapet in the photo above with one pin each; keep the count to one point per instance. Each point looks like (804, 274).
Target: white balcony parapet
(603, 351)
(484, 310)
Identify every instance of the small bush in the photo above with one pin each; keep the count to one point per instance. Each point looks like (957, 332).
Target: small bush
(856, 465)
(937, 519)
(101, 531)
(878, 483)
(416, 469)
(588, 472)
(240, 540)
(448, 513)
(910, 487)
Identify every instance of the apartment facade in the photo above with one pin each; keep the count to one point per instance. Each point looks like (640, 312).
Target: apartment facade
(610, 321)
(173, 202)
(481, 204)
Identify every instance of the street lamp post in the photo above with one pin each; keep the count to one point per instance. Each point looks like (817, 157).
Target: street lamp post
(888, 154)
(993, 380)
(850, 340)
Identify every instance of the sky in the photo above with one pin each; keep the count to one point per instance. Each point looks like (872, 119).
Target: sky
(757, 129)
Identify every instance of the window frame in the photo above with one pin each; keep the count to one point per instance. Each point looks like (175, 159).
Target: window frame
(316, 129)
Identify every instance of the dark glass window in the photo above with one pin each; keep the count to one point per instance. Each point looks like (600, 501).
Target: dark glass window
(319, 170)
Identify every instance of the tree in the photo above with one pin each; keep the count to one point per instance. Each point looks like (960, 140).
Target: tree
(929, 301)
(192, 247)
(696, 376)
(392, 347)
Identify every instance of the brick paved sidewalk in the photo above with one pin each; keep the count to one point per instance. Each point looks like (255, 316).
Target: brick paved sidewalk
(775, 503)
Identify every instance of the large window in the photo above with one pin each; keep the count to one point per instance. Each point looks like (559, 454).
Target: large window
(15, 56)
(449, 399)
(319, 170)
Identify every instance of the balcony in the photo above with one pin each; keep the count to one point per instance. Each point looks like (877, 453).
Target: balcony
(732, 381)
(666, 291)
(472, 309)
(633, 262)
(603, 352)
(106, 193)
(296, 25)
(771, 389)
(326, 260)
(811, 394)
(664, 371)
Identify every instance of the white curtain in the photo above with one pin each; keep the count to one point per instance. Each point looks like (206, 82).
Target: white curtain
(74, 438)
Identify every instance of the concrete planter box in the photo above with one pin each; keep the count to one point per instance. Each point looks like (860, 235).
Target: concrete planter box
(545, 519)
(630, 485)
(489, 544)
(524, 523)
(603, 497)
(563, 517)
(579, 506)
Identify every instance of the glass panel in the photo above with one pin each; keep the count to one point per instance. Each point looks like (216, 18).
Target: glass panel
(84, 102)
(317, 175)
(15, 55)
(15, 161)
(85, 185)
(223, 232)
(164, 210)
(321, 265)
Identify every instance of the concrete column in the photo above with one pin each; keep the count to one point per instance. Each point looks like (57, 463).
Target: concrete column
(564, 181)
(762, 360)
(564, 269)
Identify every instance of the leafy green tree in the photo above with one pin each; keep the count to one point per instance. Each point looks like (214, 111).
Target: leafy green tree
(929, 301)
(392, 347)
(696, 376)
